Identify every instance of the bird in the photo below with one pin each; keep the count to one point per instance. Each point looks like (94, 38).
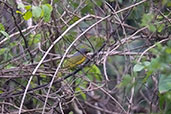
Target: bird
(78, 58)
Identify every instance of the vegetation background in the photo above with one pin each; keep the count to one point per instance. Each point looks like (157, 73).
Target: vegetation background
(128, 70)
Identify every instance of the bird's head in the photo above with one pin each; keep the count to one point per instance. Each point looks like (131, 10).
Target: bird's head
(84, 51)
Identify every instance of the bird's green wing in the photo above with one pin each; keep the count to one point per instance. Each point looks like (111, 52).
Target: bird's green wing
(74, 61)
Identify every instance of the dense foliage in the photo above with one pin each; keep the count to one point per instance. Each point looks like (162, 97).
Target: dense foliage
(128, 68)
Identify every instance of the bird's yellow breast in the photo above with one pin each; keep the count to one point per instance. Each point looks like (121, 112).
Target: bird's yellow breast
(74, 61)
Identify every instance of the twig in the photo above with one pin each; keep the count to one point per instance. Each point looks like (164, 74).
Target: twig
(151, 48)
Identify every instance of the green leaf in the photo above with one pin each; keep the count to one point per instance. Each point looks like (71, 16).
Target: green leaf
(161, 100)
(74, 19)
(74, 3)
(169, 4)
(168, 50)
(9, 66)
(160, 27)
(146, 63)
(159, 17)
(138, 67)
(1, 91)
(37, 38)
(81, 93)
(42, 75)
(99, 2)
(71, 112)
(164, 83)
(152, 28)
(155, 64)
(125, 81)
(34, 39)
(36, 11)
(93, 72)
(146, 19)
(2, 27)
(5, 34)
(87, 9)
(165, 2)
(99, 42)
(19, 12)
(147, 75)
(27, 15)
(2, 50)
(20, 6)
(47, 9)
(165, 102)
(27, 7)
